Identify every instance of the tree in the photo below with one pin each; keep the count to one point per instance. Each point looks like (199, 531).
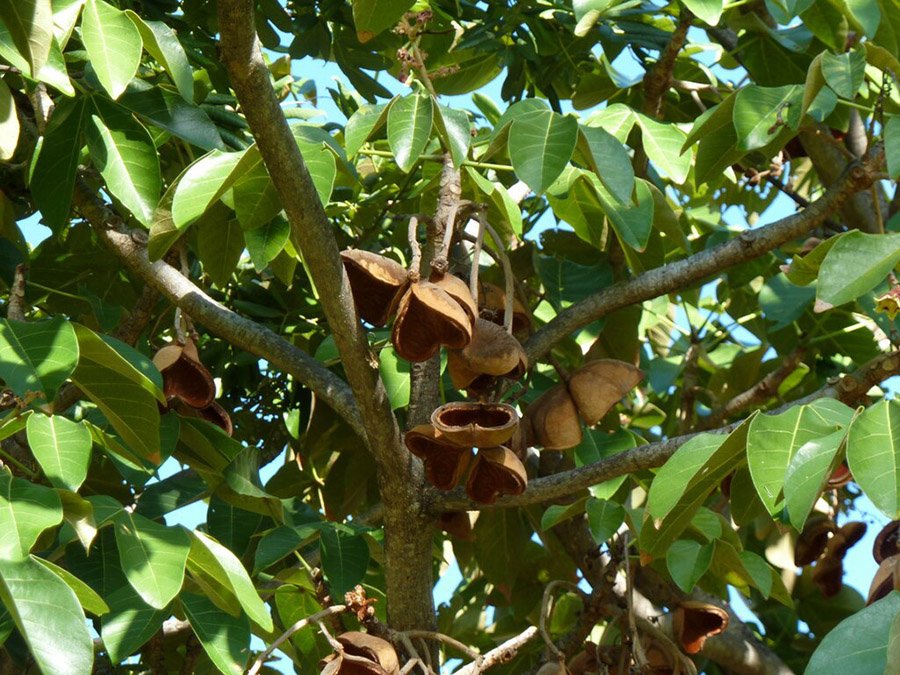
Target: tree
(667, 401)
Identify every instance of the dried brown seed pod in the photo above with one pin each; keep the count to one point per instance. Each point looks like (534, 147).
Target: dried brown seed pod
(886, 579)
(445, 462)
(694, 622)
(184, 377)
(492, 299)
(554, 419)
(476, 425)
(492, 352)
(598, 385)
(887, 543)
(372, 656)
(457, 289)
(844, 538)
(456, 524)
(828, 575)
(375, 282)
(217, 415)
(427, 317)
(495, 472)
(840, 476)
(812, 541)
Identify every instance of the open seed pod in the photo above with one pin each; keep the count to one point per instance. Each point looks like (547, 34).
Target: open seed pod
(598, 385)
(492, 352)
(496, 471)
(445, 462)
(427, 317)
(212, 413)
(844, 538)
(375, 656)
(887, 543)
(375, 282)
(492, 299)
(554, 419)
(475, 425)
(812, 541)
(457, 289)
(184, 377)
(828, 575)
(840, 476)
(694, 622)
(886, 579)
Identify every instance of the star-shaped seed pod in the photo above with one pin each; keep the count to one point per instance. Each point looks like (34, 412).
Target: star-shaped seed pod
(496, 472)
(375, 281)
(476, 425)
(694, 622)
(184, 376)
(427, 318)
(445, 462)
(598, 385)
(368, 655)
(457, 289)
(492, 353)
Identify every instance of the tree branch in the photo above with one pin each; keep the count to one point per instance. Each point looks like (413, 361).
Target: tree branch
(499, 654)
(748, 245)
(236, 329)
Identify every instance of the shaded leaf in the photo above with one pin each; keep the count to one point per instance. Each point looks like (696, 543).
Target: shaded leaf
(371, 17)
(129, 624)
(37, 356)
(225, 639)
(162, 43)
(26, 510)
(761, 112)
(687, 561)
(62, 448)
(604, 518)
(345, 558)
(30, 24)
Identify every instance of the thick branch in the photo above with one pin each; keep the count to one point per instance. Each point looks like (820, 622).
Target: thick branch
(236, 329)
(408, 568)
(684, 273)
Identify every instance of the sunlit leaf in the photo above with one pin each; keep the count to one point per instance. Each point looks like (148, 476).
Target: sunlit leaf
(62, 448)
(113, 45)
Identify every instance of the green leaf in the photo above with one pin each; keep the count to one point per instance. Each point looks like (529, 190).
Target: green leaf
(892, 146)
(865, 13)
(395, 373)
(893, 651)
(503, 211)
(807, 473)
(123, 152)
(320, 161)
(773, 440)
(663, 144)
(632, 222)
(566, 282)
(761, 112)
(803, 270)
(256, 200)
(88, 598)
(371, 17)
(541, 143)
(587, 13)
(883, 59)
(37, 356)
(113, 45)
(206, 180)
(62, 448)
(598, 445)
(609, 160)
(48, 616)
(241, 485)
(557, 513)
(127, 397)
(78, 513)
(454, 131)
(859, 643)
(687, 561)
(604, 518)
(167, 110)
(707, 10)
(129, 624)
(845, 72)
(873, 453)
(854, 266)
(616, 119)
(673, 479)
(409, 123)
(26, 510)
(9, 123)
(153, 557)
(345, 558)
(30, 23)
(223, 565)
(225, 639)
(815, 81)
(501, 536)
(363, 124)
(162, 43)
(53, 177)
(220, 242)
(266, 242)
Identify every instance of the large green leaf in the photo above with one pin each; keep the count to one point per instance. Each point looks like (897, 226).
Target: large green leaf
(566, 282)
(632, 222)
(845, 72)
(220, 242)
(409, 123)
(78, 512)
(167, 110)
(88, 598)
(687, 561)
(123, 152)
(855, 265)
(264, 243)
(373, 16)
(224, 566)
(162, 43)
(395, 373)
(807, 473)
(598, 445)
(609, 160)
(706, 10)
(53, 176)
(113, 45)
(30, 23)
(256, 201)
(541, 143)
(206, 180)
(761, 112)
(153, 557)
(873, 453)
(604, 518)
(774, 439)
(345, 558)
(454, 131)
(501, 536)
(37, 356)
(363, 124)
(129, 624)
(617, 119)
(225, 639)
(663, 144)
(9, 123)
(127, 398)
(320, 161)
(62, 448)
(859, 644)
(48, 616)
(26, 510)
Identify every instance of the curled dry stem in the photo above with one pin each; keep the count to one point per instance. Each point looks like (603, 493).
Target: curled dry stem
(507, 273)
(637, 650)
(476, 262)
(547, 608)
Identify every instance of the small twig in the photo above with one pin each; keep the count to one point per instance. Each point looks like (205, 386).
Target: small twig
(413, 653)
(409, 665)
(499, 654)
(476, 262)
(16, 308)
(546, 604)
(416, 260)
(507, 273)
(446, 639)
(637, 649)
(560, 369)
(298, 625)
